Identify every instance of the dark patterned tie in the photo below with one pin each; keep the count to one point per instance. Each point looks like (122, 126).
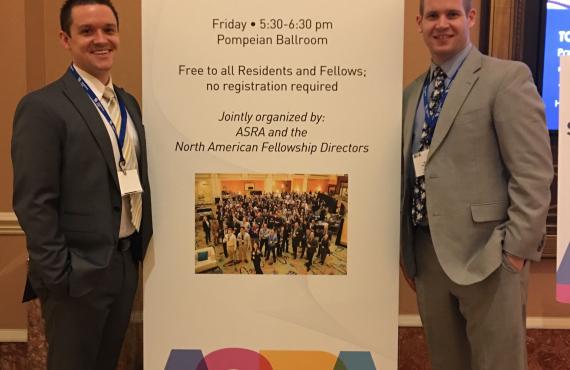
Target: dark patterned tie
(419, 214)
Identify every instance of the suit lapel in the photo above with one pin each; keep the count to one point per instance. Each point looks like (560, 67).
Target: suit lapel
(88, 111)
(460, 88)
(409, 119)
(131, 108)
(134, 113)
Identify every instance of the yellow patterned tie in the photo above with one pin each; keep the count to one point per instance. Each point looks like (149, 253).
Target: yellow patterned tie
(128, 152)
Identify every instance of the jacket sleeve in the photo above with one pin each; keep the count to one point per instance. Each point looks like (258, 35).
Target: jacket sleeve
(525, 148)
(37, 141)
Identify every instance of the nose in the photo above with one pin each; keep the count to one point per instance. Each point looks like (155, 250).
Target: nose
(99, 37)
(442, 22)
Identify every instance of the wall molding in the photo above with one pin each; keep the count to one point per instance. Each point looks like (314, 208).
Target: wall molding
(506, 25)
(407, 321)
(13, 335)
(9, 224)
(533, 322)
(21, 335)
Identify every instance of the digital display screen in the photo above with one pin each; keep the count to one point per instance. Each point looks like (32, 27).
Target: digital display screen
(556, 44)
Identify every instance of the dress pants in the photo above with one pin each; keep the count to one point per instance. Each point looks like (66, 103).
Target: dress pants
(270, 249)
(285, 246)
(310, 254)
(303, 247)
(225, 246)
(263, 242)
(87, 332)
(296, 243)
(481, 326)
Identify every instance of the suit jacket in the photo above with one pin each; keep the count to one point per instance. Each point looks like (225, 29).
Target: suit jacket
(488, 172)
(66, 191)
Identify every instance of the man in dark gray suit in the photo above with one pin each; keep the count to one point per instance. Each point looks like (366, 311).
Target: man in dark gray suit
(81, 194)
(477, 169)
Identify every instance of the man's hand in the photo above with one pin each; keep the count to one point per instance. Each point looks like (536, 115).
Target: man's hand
(516, 262)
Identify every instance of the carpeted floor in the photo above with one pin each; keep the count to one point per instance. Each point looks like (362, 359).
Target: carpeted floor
(335, 263)
(547, 350)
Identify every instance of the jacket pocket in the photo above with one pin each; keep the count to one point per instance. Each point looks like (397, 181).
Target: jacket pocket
(507, 265)
(486, 212)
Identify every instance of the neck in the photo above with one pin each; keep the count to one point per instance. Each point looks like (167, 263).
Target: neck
(105, 78)
(441, 59)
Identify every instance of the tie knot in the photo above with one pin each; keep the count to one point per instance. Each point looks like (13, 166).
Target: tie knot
(108, 94)
(438, 74)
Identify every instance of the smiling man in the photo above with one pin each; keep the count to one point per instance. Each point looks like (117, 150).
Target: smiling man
(81, 194)
(477, 169)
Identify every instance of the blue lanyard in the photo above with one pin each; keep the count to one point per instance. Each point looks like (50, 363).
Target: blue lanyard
(431, 121)
(121, 136)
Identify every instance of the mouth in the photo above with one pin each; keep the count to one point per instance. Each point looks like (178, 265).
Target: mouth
(102, 52)
(442, 37)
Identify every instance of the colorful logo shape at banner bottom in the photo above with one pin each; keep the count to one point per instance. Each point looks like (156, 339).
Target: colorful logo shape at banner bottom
(245, 359)
(563, 278)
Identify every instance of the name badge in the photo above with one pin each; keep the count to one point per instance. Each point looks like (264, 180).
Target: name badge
(420, 159)
(129, 182)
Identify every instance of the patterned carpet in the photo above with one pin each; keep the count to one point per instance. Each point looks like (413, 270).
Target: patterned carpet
(547, 350)
(335, 263)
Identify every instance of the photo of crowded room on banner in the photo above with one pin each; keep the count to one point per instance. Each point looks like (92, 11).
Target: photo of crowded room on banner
(277, 224)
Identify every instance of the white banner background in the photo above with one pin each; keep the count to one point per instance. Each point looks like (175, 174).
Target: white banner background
(355, 312)
(563, 231)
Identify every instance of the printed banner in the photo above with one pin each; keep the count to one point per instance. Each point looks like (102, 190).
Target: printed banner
(556, 45)
(563, 243)
(274, 151)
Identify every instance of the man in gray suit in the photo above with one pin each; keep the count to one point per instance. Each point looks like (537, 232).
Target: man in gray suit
(477, 169)
(81, 194)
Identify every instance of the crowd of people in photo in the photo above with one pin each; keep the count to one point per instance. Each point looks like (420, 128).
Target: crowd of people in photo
(266, 226)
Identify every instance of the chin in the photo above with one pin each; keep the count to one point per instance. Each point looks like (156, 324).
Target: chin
(103, 68)
(443, 52)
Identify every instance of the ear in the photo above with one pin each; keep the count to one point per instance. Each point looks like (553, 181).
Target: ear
(419, 20)
(471, 17)
(64, 40)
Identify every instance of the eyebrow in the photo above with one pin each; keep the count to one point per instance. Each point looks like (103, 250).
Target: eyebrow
(88, 25)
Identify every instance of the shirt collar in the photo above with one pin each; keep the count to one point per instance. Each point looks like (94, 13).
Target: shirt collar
(451, 66)
(97, 86)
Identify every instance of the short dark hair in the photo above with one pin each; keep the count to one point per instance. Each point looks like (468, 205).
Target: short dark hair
(467, 5)
(65, 12)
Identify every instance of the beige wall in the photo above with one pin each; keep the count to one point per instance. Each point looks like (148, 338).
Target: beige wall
(30, 39)
(12, 249)
(416, 55)
(12, 274)
(127, 71)
(542, 284)
(13, 67)
(29, 30)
